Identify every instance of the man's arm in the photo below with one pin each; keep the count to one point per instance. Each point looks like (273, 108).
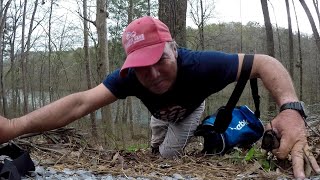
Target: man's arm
(288, 124)
(56, 114)
(274, 77)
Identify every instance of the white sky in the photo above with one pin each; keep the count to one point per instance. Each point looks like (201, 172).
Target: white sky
(250, 10)
(245, 11)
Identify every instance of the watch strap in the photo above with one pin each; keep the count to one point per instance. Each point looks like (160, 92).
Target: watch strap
(294, 106)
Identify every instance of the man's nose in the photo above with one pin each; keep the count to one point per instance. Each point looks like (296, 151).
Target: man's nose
(153, 72)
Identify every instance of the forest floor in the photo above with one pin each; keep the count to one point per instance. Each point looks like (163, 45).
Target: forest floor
(65, 148)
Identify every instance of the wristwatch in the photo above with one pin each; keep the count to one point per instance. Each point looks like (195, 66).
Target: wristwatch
(298, 106)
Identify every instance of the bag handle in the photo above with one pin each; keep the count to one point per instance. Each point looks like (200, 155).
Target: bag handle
(224, 115)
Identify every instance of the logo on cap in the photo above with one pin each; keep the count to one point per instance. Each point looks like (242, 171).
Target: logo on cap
(133, 38)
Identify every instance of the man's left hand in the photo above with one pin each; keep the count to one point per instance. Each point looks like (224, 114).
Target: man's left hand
(290, 128)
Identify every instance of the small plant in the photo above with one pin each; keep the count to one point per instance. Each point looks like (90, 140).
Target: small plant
(256, 154)
(253, 154)
(136, 147)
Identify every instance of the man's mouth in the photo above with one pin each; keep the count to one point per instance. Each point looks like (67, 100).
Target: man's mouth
(157, 85)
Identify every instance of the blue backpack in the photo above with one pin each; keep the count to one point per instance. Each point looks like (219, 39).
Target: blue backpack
(244, 130)
(233, 126)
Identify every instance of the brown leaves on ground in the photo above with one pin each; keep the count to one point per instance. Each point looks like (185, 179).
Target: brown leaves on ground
(65, 148)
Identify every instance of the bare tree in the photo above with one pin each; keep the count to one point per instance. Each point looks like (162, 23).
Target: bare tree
(291, 60)
(173, 14)
(11, 36)
(317, 8)
(50, 90)
(28, 46)
(300, 62)
(88, 64)
(149, 8)
(23, 62)
(130, 11)
(270, 44)
(312, 23)
(268, 26)
(200, 12)
(102, 59)
(278, 31)
(3, 17)
(129, 99)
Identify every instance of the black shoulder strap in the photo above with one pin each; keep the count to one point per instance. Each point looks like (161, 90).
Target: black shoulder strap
(224, 115)
(255, 95)
(242, 81)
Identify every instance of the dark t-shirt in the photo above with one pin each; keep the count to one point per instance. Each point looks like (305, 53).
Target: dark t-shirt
(200, 74)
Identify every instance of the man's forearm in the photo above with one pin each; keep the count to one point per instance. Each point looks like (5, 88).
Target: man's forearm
(56, 114)
(275, 78)
(51, 116)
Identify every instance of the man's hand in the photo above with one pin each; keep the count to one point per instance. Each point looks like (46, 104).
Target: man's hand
(290, 127)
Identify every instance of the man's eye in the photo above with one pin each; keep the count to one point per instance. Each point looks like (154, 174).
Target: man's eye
(162, 60)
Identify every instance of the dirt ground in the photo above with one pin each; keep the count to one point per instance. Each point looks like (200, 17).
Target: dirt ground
(64, 148)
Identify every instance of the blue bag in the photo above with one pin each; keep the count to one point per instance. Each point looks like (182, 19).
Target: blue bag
(244, 130)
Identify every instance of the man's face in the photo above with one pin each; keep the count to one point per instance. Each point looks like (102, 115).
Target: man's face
(159, 77)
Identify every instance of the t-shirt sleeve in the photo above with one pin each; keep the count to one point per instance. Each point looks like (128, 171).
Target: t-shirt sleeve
(218, 66)
(116, 84)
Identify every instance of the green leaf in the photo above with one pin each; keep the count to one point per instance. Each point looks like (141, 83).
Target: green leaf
(265, 164)
(250, 155)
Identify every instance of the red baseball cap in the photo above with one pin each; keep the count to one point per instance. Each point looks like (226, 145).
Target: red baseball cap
(144, 40)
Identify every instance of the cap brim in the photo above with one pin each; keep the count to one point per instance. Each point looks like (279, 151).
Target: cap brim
(145, 56)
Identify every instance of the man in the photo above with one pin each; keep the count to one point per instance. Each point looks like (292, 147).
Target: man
(173, 84)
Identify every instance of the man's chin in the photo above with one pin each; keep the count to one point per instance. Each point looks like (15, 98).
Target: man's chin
(159, 91)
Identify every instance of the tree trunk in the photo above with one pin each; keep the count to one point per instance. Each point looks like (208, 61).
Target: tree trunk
(200, 13)
(173, 13)
(270, 47)
(149, 8)
(316, 6)
(312, 23)
(291, 60)
(50, 90)
(201, 29)
(88, 65)
(130, 115)
(3, 18)
(268, 26)
(278, 33)
(13, 68)
(129, 99)
(23, 59)
(103, 61)
(28, 45)
(130, 11)
(300, 62)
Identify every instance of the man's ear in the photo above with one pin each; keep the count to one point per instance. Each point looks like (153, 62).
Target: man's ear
(175, 51)
(174, 48)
